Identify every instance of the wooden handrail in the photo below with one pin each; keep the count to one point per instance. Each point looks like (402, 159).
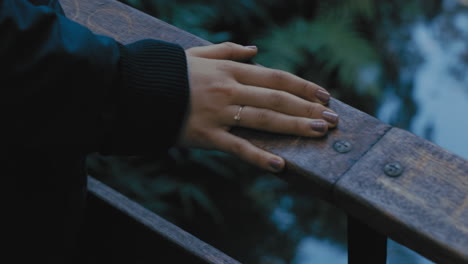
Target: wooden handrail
(117, 203)
(401, 185)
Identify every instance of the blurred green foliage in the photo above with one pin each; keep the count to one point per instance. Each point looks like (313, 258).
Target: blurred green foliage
(353, 48)
(349, 47)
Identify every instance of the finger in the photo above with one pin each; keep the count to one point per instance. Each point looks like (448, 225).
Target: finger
(271, 121)
(283, 102)
(224, 51)
(247, 151)
(280, 80)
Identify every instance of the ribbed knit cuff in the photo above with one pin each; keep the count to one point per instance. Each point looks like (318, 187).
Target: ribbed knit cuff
(152, 100)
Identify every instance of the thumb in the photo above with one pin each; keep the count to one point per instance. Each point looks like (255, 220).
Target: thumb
(224, 51)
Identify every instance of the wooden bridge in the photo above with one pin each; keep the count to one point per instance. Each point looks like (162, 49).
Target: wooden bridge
(390, 182)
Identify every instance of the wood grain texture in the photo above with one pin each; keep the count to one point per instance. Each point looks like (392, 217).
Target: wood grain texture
(425, 208)
(125, 24)
(313, 163)
(309, 161)
(158, 225)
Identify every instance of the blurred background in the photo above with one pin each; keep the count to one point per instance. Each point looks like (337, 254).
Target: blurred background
(402, 61)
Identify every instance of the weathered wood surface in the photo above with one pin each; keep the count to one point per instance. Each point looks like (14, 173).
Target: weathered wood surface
(308, 159)
(153, 224)
(425, 208)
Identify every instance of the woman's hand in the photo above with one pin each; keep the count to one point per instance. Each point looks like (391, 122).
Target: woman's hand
(226, 93)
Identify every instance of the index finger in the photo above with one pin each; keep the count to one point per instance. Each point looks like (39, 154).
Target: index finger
(280, 80)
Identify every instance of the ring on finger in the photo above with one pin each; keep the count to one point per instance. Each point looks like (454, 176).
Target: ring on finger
(237, 117)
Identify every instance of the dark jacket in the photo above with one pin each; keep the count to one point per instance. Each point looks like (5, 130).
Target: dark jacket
(66, 93)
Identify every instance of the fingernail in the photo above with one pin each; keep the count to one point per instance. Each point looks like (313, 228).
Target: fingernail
(251, 47)
(276, 164)
(322, 95)
(319, 126)
(330, 117)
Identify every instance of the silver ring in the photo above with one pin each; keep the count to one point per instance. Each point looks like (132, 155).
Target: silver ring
(237, 117)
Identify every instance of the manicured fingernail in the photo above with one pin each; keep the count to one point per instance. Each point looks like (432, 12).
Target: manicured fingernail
(322, 95)
(276, 164)
(251, 47)
(330, 117)
(319, 126)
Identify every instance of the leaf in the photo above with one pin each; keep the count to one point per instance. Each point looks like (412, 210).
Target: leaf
(331, 41)
(189, 193)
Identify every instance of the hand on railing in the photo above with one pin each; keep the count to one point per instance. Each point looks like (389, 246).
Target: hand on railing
(226, 93)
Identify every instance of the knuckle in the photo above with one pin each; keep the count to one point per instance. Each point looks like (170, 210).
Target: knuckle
(201, 133)
(257, 157)
(277, 99)
(218, 86)
(298, 125)
(311, 110)
(210, 138)
(229, 44)
(223, 89)
(263, 118)
(225, 66)
(279, 76)
(230, 49)
(237, 148)
(199, 137)
(308, 90)
(318, 110)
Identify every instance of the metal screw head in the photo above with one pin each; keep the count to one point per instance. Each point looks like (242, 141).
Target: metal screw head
(393, 169)
(342, 146)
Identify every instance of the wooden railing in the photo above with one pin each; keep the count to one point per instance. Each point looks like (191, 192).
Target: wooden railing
(390, 182)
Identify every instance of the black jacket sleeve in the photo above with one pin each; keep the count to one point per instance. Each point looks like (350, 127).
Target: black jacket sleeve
(65, 88)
